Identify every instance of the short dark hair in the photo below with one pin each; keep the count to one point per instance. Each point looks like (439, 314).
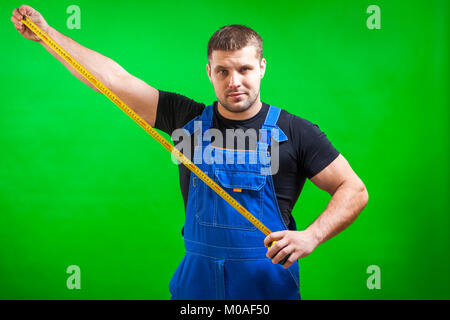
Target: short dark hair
(235, 37)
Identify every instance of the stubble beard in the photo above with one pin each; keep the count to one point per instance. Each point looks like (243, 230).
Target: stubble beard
(250, 102)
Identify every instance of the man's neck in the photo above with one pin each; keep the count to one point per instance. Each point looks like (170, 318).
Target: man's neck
(247, 114)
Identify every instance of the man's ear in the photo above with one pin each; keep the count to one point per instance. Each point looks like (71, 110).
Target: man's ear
(262, 67)
(208, 71)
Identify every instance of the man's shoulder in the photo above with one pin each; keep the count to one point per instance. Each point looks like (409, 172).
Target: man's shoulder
(175, 110)
(292, 122)
(177, 99)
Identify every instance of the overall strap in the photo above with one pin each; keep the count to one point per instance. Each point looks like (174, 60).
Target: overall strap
(270, 125)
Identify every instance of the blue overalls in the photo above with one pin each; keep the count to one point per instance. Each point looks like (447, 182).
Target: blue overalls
(225, 254)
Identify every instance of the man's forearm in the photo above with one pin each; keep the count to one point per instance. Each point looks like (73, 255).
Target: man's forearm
(101, 67)
(343, 208)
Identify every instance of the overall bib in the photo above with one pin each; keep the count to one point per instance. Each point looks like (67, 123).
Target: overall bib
(225, 254)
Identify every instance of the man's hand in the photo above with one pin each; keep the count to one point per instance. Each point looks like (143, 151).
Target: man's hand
(298, 244)
(36, 17)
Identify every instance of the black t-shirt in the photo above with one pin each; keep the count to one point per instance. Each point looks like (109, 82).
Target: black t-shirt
(306, 152)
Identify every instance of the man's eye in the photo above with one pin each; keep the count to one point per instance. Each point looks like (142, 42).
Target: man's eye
(245, 69)
(222, 72)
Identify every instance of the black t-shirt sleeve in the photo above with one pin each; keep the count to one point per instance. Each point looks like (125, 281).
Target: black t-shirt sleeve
(175, 110)
(315, 151)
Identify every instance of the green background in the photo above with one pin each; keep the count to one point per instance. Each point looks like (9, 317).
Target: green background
(82, 184)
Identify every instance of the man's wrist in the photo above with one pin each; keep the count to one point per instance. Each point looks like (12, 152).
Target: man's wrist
(316, 235)
(49, 31)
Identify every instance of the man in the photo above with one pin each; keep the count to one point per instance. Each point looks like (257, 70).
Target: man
(226, 256)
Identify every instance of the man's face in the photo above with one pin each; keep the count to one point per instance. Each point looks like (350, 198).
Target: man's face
(236, 77)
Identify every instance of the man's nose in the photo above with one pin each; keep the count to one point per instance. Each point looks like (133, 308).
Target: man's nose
(235, 81)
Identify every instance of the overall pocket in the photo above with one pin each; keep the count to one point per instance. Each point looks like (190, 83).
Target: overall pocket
(203, 200)
(247, 189)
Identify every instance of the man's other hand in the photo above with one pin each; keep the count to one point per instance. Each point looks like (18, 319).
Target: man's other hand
(297, 244)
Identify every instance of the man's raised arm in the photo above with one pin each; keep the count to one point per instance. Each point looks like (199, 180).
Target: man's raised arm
(137, 94)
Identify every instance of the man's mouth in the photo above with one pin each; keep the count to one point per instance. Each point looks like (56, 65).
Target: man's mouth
(236, 94)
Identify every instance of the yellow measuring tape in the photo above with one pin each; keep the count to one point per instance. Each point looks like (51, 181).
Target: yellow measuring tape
(182, 158)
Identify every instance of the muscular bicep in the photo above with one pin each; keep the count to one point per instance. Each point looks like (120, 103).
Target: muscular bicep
(336, 174)
(138, 95)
